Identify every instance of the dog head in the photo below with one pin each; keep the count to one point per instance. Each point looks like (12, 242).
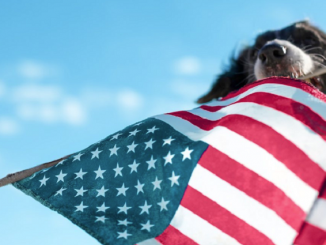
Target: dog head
(295, 51)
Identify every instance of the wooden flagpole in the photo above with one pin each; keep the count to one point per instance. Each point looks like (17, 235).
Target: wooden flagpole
(11, 178)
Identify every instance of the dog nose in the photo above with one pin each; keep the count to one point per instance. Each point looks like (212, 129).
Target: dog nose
(272, 53)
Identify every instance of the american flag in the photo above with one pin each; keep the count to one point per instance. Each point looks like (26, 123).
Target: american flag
(246, 169)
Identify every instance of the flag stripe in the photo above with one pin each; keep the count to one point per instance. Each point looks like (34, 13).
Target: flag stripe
(317, 216)
(310, 235)
(289, 127)
(284, 150)
(198, 229)
(265, 192)
(292, 89)
(295, 109)
(222, 218)
(172, 236)
(242, 206)
(237, 147)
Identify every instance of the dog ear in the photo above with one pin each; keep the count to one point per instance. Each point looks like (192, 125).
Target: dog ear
(232, 79)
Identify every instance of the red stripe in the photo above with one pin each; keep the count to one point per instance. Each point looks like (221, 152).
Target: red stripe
(293, 108)
(267, 138)
(253, 185)
(222, 218)
(172, 236)
(284, 81)
(310, 235)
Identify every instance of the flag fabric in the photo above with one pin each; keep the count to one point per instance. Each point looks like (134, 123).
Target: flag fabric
(245, 169)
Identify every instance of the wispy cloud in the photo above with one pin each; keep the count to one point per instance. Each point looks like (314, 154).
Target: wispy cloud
(187, 66)
(188, 90)
(48, 104)
(31, 69)
(8, 126)
(129, 100)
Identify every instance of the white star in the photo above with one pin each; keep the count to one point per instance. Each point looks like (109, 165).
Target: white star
(122, 190)
(43, 181)
(132, 147)
(168, 141)
(146, 226)
(139, 187)
(157, 184)
(152, 130)
(124, 235)
(80, 174)
(186, 154)
(95, 154)
(145, 208)
(124, 208)
(77, 157)
(80, 192)
(133, 132)
(100, 218)
(168, 158)
(33, 176)
(101, 192)
(137, 124)
(99, 173)
(115, 137)
(174, 179)
(61, 176)
(151, 163)
(61, 162)
(81, 207)
(45, 170)
(59, 192)
(124, 222)
(163, 204)
(114, 150)
(102, 208)
(133, 166)
(149, 144)
(117, 171)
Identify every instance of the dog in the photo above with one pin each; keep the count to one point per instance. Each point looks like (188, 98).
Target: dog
(295, 51)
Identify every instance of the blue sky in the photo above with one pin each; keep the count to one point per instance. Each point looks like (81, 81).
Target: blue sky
(72, 73)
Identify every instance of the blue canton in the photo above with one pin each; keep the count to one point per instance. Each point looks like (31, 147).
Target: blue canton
(123, 189)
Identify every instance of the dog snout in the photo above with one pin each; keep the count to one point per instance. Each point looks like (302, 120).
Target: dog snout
(272, 53)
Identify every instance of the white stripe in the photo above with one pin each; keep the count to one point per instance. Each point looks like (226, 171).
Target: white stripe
(237, 147)
(263, 163)
(295, 131)
(317, 214)
(282, 90)
(183, 126)
(199, 230)
(242, 206)
(151, 241)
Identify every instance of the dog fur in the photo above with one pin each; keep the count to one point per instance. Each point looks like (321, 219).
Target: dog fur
(294, 51)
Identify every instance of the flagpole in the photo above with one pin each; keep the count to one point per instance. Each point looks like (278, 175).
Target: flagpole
(11, 178)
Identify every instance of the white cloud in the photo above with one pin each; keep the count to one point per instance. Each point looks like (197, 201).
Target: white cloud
(8, 126)
(73, 111)
(37, 93)
(187, 66)
(129, 100)
(35, 70)
(189, 90)
(48, 104)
